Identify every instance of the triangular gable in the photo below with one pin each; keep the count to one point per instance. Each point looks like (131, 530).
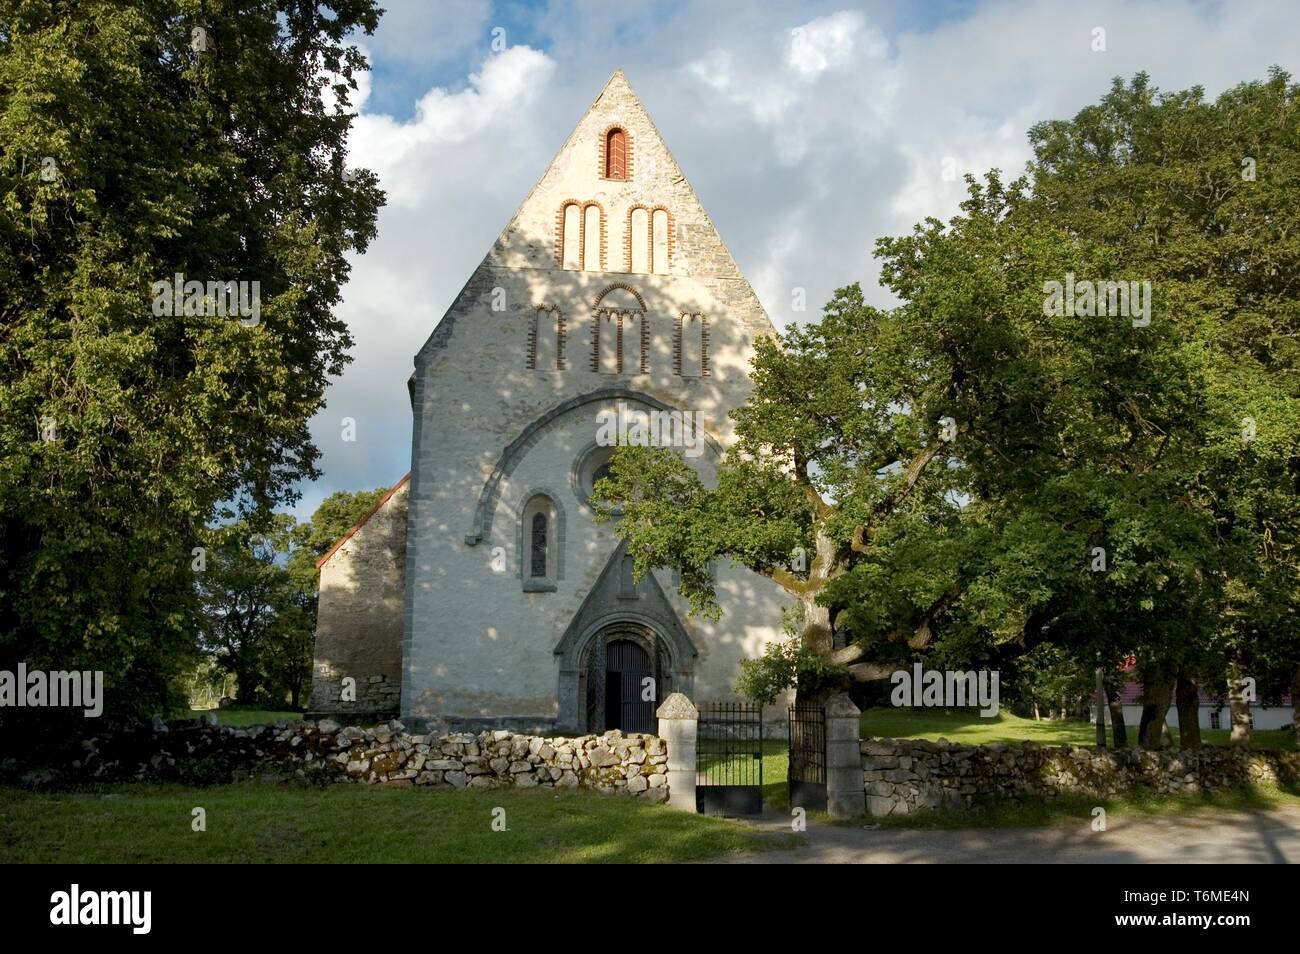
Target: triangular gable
(573, 174)
(607, 600)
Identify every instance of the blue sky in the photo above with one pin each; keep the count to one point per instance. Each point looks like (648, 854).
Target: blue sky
(808, 130)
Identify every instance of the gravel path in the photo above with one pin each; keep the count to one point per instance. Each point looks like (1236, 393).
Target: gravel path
(1220, 838)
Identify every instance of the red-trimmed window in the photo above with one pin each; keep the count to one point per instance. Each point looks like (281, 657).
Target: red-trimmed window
(616, 154)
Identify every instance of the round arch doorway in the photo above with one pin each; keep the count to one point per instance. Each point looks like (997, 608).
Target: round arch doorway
(626, 672)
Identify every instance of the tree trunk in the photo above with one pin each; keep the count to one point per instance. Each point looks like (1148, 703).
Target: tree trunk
(817, 633)
(1119, 731)
(1158, 690)
(1189, 712)
(1239, 707)
(1144, 724)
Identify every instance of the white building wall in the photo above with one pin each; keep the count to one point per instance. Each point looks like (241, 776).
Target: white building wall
(475, 644)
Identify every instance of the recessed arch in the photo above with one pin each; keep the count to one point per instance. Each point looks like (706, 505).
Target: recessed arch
(618, 286)
(510, 458)
(608, 613)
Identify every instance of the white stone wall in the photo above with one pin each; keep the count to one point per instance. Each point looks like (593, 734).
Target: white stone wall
(476, 645)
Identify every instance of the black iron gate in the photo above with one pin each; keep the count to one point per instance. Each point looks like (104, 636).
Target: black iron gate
(808, 756)
(627, 704)
(729, 759)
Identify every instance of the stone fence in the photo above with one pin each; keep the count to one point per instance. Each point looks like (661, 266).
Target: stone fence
(863, 776)
(204, 753)
(900, 777)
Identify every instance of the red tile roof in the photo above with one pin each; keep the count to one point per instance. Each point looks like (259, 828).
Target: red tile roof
(358, 525)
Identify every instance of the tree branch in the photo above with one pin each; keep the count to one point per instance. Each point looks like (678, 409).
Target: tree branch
(911, 476)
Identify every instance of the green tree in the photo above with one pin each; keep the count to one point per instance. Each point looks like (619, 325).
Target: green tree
(1200, 197)
(249, 601)
(141, 139)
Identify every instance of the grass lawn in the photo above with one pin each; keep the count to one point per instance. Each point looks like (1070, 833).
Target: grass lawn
(969, 728)
(246, 716)
(260, 822)
(1078, 808)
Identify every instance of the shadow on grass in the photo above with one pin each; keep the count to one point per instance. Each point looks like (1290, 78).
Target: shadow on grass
(262, 823)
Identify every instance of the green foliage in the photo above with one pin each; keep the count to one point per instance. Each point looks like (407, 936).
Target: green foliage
(786, 664)
(256, 624)
(123, 434)
(1050, 678)
(955, 467)
(259, 595)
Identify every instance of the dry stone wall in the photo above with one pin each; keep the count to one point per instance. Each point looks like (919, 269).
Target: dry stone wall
(901, 777)
(385, 754)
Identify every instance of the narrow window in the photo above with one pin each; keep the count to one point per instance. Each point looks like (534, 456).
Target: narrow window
(692, 346)
(537, 567)
(659, 249)
(627, 580)
(571, 237)
(639, 241)
(591, 234)
(616, 154)
(635, 355)
(545, 355)
(608, 350)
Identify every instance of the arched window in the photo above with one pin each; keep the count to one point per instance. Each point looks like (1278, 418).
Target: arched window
(615, 154)
(691, 349)
(580, 236)
(607, 346)
(571, 237)
(537, 552)
(546, 340)
(541, 543)
(634, 356)
(638, 241)
(659, 242)
(593, 228)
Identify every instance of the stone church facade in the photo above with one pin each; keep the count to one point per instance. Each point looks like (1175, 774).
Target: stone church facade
(481, 591)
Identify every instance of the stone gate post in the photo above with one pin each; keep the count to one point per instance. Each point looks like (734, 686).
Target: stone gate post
(678, 724)
(845, 797)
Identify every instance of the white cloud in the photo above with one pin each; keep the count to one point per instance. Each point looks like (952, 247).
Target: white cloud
(400, 152)
(829, 42)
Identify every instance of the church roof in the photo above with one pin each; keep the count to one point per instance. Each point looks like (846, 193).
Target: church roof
(360, 523)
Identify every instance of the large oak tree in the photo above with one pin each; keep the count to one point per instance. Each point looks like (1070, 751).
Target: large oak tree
(973, 473)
